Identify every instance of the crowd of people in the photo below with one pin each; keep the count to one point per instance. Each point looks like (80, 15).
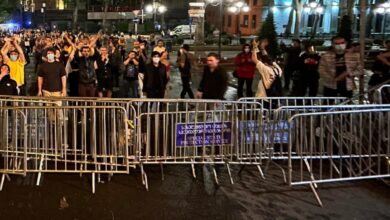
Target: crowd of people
(68, 64)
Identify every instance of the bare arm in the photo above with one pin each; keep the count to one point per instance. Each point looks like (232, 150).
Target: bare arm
(20, 50)
(63, 81)
(4, 51)
(71, 55)
(40, 83)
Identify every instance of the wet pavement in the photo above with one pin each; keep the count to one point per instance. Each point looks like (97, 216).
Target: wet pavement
(180, 196)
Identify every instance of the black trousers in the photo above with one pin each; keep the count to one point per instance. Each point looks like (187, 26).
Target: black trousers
(240, 89)
(186, 87)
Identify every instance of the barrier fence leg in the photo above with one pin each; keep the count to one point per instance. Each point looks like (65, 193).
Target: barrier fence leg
(93, 183)
(230, 173)
(193, 170)
(2, 181)
(313, 185)
(261, 172)
(99, 177)
(40, 169)
(215, 175)
(283, 172)
(144, 178)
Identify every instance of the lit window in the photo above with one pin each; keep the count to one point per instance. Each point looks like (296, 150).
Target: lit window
(60, 4)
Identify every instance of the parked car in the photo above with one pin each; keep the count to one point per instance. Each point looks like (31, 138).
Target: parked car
(183, 31)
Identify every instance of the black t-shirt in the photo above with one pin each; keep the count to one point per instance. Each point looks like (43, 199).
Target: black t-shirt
(8, 86)
(52, 74)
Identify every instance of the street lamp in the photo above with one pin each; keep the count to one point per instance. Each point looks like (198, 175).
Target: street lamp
(43, 12)
(236, 9)
(383, 9)
(155, 8)
(220, 4)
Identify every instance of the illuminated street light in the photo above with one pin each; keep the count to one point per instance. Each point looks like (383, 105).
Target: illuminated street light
(155, 8)
(236, 9)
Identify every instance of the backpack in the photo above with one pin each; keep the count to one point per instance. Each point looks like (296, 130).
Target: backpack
(131, 72)
(276, 88)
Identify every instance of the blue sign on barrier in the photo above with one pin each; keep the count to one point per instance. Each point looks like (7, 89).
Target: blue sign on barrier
(203, 134)
(276, 132)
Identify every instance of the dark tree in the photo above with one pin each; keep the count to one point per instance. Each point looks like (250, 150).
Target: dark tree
(346, 28)
(268, 31)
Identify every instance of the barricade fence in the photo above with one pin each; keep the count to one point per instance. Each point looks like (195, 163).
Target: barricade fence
(382, 94)
(339, 146)
(64, 139)
(92, 135)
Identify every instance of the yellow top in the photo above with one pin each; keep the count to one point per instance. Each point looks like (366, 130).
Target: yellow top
(17, 71)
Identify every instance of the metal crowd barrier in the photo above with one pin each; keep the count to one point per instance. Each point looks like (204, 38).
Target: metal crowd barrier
(338, 146)
(66, 139)
(273, 103)
(383, 94)
(199, 132)
(331, 138)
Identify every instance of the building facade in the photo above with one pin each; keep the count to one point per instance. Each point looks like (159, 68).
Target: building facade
(243, 23)
(328, 19)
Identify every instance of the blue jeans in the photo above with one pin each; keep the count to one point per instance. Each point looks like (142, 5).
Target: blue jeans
(130, 89)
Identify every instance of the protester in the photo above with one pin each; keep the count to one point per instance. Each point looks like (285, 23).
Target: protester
(51, 77)
(130, 76)
(87, 79)
(140, 52)
(16, 61)
(270, 72)
(185, 60)
(214, 82)
(116, 60)
(160, 48)
(307, 76)
(8, 86)
(156, 78)
(338, 68)
(103, 69)
(245, 70)
(291, 66)
(381, 67)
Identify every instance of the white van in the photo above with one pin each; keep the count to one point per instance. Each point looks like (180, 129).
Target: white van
(183, 31)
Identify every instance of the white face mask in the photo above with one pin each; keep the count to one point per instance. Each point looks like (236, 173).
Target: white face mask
(14, 57)
(340, 48)
(156, 59)
(50, 57)
(247, 50)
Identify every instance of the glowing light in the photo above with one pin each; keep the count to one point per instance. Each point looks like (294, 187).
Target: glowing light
(313, 4)
(149, 8)
(233, 9)
(320, 10)
(162, 9)
(239, 4)
(246, 8)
